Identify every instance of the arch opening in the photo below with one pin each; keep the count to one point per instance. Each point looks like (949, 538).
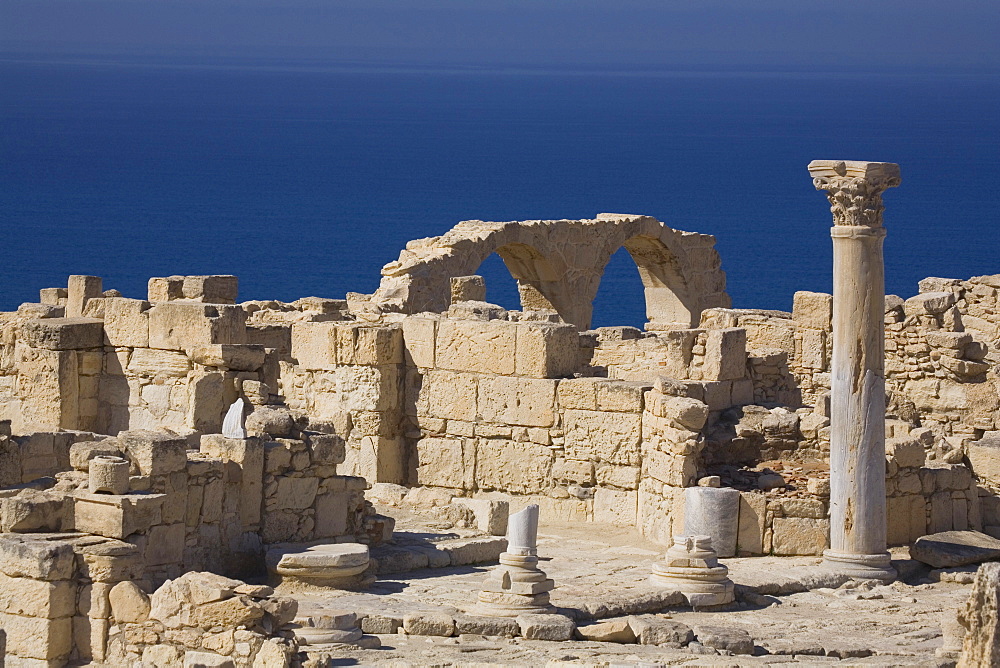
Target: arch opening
(668, 304)
(620, 299)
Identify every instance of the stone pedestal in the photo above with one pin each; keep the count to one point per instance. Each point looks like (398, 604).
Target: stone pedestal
(857, 421)
(713, 512)
(692, 567)
(517, 586)
(326, 565)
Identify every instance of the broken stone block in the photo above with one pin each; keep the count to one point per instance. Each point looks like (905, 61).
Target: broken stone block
(950, 549)
(28, 556)
(31, 510)
(476, 345)
(63, 333)
(163, 289)
(736, 641)
(611, 630)
(419, 335)
(655, 630)
(491, 516)
(314, 344)
(80, 290)
(116, 516)
(980, 620)
(429, 624)
(800, 535)
(382, 623)
(546, 627)
(468, 289)
(154, 452)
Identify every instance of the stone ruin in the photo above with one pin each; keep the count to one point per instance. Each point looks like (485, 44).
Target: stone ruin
(158, 454)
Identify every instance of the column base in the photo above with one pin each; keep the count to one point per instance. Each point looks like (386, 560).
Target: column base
(860, 566)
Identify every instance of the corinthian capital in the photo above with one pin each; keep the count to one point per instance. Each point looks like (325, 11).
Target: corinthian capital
(855, 189)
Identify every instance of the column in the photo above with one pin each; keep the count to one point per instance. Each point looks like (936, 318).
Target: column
(857, 401)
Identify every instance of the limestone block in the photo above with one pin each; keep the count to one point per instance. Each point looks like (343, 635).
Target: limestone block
(716, 394)
(37, 638)
(905, 452)
(517, 401)
(546, 350)
(468, 289)
(677, 471)
(63, 333)
(612, 630)
(491, 515)
(906, 519)
(446, 462)
(81, 289)
(813, 310)
(682, 412)
(579, 393)
(735, 641)
(37, 598)
(238, 357)
(929, 303)
(126, 322)
(752, 514)
(25, 556)
(129, 604)
(980, 621)
(429, 624)
(655, 630)
(573, 471)
(48, 387)
(33, 510)
(193, 659)
(800, 536)
(984, 456)
(165, 545)
(606, 437)
(152, 363)
(812, 349)
(618, 507)
(332, 511)
(325, 448)
(381, 459)
(725, 354)
(514, 467)
(476, 345)
(53, 296)
(619, 396)
(116, 516)
(742, 392)
(154, 452)
(211, 289)
(452, 395)
(620, 477)
(184, 326)
(546, 627)
(294, 493)
(369, 346)
(163, 289)
(418, 341)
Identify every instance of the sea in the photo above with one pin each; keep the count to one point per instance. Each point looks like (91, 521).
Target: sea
(305, 178)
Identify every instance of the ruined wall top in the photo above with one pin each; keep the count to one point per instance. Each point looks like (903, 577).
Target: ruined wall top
(558, 266)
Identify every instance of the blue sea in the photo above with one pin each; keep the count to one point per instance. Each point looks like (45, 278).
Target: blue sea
(304, 178)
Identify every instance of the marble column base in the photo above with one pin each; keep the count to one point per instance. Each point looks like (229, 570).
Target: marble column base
(516, 587)
(860, 566)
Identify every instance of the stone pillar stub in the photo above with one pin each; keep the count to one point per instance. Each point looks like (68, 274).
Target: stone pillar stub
(713, 512)
(857, 425)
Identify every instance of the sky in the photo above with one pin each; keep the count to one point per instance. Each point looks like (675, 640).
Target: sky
(873, 34)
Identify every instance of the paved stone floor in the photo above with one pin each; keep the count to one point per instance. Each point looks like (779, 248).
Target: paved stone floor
(897, 624)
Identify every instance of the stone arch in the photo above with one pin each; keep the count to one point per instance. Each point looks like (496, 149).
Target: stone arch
(558, 266)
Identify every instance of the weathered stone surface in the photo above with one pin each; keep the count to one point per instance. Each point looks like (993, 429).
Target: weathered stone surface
(732, 640)
(429, 624)
(381, 623)
(546, 627)
(949, 549)
(611, 630)
(980, 618)
(64, 333)
(129, 604)
(654, 630)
